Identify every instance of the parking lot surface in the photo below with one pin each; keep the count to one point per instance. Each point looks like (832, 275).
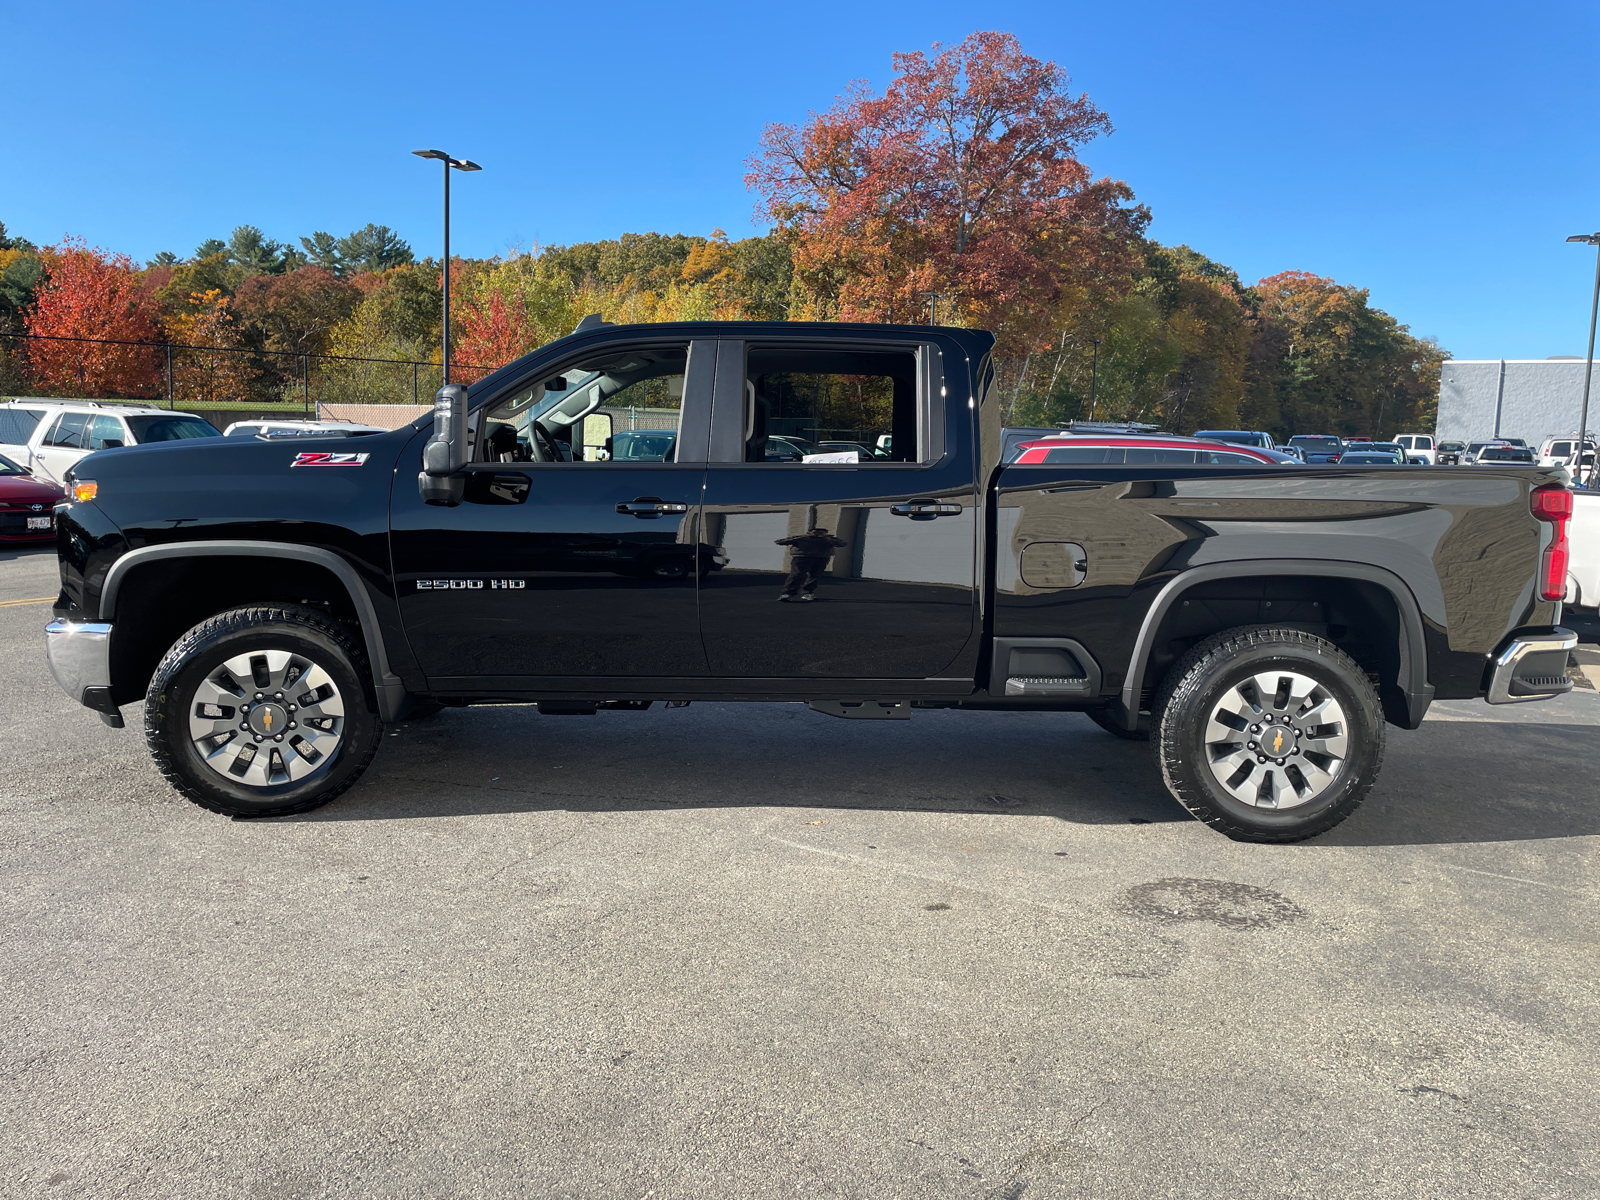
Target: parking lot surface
(757, 951)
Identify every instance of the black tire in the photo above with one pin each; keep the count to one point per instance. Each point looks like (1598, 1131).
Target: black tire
(1108, 721)
(1208, 674)
(197, 658)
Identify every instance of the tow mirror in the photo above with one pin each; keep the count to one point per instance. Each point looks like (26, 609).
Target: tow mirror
(445, 455)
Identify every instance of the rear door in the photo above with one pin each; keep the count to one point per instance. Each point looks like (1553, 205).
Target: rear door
(827, 568)
(566, 562)
(62, 445)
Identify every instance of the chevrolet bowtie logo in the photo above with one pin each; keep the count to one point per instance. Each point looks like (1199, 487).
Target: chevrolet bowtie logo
(1279, 740)
(266, 720)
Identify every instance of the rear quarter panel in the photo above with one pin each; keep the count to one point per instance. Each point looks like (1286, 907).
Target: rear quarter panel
(1463, 542)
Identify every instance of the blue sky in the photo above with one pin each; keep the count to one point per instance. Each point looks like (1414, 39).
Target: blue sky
(1437, 154)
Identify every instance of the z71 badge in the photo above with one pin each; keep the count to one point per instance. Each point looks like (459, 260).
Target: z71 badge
(321, 458)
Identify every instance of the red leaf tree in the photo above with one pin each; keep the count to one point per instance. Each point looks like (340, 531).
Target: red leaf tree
(89, 293)
(962, 179)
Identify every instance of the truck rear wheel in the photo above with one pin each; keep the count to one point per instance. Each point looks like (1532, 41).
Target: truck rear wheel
(262, 711)
(1269, 735)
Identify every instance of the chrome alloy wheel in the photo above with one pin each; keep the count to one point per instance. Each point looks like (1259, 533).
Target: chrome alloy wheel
(266, 718)
(1276, 740)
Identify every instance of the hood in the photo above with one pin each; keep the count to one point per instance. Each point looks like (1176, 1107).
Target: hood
(24, 489)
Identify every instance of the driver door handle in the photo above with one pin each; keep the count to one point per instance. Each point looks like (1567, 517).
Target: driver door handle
(651, 506)
(925, 510)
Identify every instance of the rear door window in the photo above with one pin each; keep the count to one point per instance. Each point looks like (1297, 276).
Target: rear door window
(1159, 456)
(1080, 454)
(67, 432)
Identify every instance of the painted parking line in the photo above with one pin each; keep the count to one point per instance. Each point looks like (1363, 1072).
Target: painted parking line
(34, 600)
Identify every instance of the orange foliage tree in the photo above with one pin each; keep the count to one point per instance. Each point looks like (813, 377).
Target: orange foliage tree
(209, 369)
(962, 179)
(489, 326)
(89, 293)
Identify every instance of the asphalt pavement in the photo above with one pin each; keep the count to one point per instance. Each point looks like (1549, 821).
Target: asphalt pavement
(754, 951)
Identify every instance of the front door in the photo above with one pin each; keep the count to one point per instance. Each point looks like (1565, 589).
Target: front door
(574, 554)
(841, 512)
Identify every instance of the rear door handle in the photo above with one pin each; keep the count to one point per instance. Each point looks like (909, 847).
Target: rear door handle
(651, 506)
(925, 510)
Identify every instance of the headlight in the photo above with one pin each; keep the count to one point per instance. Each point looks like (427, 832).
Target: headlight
(84, 489)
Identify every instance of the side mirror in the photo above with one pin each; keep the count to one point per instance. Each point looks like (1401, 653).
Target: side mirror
(446, 452)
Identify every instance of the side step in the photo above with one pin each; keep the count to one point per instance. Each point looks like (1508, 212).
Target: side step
(864, 710)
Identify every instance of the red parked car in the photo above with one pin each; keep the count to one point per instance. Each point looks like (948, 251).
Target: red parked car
(1089, 449)
(27, 505)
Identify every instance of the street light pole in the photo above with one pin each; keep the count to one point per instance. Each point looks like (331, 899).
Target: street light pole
(460, 164)
(1588, 239)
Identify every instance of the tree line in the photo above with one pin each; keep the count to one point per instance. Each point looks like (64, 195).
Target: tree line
(959, 186)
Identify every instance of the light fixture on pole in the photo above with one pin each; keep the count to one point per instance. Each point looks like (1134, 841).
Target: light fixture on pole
(933, 306)
(460, 164)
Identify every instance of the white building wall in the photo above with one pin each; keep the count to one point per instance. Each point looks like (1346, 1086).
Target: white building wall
(1541, 399)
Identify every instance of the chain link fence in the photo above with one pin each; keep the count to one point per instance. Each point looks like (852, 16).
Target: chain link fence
(218, 378)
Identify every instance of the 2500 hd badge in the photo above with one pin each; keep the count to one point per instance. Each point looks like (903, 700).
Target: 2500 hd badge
(441, 585)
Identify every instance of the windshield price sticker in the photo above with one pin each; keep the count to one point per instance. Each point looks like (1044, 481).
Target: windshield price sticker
(322, 458)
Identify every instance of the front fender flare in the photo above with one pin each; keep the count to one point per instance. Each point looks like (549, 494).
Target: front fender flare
(386, 685)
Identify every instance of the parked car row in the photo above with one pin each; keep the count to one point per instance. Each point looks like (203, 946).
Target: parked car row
(46, 438)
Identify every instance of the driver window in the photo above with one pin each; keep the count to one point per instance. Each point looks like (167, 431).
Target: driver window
(105, 433)
(621, 405)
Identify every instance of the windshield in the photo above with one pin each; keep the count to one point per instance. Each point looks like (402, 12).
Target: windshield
(1315, 443)
(170, 429)
(7, 467)
(1236, 436)
(1453, 447)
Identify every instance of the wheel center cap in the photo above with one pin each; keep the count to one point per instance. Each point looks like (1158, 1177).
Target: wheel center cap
(268, 719)
(1276, 741)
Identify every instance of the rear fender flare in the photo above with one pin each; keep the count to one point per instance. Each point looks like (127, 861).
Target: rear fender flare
(1413, 674)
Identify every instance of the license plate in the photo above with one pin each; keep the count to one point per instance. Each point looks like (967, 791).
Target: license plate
(40, 522)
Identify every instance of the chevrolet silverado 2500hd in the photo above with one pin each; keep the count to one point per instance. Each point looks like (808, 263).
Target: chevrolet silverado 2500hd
(274, 604)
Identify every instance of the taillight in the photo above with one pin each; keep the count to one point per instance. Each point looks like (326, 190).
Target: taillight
(1553, 504)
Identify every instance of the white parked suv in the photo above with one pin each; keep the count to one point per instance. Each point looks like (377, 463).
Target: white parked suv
(49, 436)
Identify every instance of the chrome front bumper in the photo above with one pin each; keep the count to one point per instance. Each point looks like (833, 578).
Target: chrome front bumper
(1532, 666)
(80, 659)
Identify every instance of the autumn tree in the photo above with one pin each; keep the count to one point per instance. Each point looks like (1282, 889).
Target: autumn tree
(295, 313)
(1344, 367)
(87, 292)
(963, 178)
(212, 368)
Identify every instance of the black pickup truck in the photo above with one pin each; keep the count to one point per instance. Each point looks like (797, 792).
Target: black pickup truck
(274, 605)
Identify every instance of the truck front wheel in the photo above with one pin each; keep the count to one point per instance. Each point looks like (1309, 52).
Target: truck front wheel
(1269, 735)
(262, 711)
